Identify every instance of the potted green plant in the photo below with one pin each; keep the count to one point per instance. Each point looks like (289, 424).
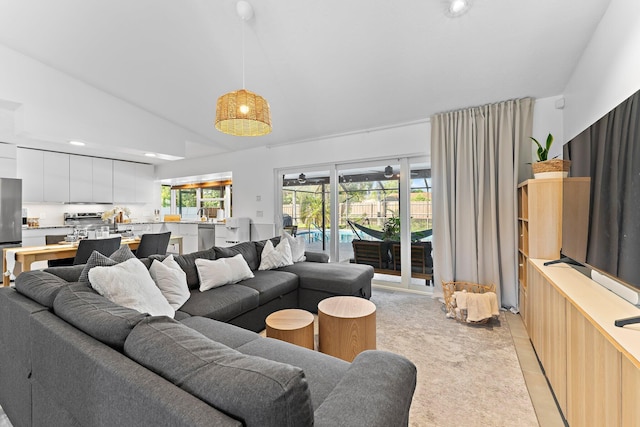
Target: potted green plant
(545, 167)
(391, 228)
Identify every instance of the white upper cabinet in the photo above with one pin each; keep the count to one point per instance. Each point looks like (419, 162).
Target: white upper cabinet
(31, 171)
(102, 180)
(56, 177)
(62, 178)
(132, 182)
(144, 183)
(80, 179)
(124, 182)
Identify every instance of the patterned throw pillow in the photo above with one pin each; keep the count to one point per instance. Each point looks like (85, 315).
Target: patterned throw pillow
(280, 256)
(96, 259)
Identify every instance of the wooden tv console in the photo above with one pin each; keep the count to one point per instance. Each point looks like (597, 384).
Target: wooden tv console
(592, 365)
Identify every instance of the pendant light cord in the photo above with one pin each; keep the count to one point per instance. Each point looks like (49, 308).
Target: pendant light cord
(243, 25)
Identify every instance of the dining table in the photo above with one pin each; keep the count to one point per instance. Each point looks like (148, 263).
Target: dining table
(19, 259)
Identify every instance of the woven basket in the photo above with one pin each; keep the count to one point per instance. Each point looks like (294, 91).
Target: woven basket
(449, 288)
(553, 165)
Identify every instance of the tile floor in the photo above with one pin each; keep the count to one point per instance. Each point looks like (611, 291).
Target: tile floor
(542, 398)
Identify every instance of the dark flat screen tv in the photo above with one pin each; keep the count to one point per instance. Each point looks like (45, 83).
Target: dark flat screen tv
(603, 232)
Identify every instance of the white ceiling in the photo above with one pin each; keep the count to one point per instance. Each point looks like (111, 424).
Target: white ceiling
(326, 66)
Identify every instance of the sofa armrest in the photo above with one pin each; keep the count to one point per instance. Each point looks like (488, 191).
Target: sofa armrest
(376, 391)
(316, 256)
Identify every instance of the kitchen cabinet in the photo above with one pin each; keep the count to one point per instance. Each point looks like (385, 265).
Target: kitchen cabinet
(102, 175)
(189, 233)
(221, 236)
(55, 181)
(30, 165)
(90, 179)
(132, 182)
(62, 178)
(81, 179)
(144, 183)
(124, 177)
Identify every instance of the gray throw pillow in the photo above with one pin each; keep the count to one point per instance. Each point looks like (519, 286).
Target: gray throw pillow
(96, 259)
(246, 249)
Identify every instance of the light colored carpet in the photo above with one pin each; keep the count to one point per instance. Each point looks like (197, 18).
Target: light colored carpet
(467, 375)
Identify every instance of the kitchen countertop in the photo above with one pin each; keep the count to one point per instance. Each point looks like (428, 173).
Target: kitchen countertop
(43, 227)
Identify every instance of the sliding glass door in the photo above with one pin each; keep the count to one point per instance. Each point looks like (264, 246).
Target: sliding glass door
(382, 206)
(306, 207)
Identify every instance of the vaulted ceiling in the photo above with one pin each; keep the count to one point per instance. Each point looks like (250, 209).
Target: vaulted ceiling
(325, 66)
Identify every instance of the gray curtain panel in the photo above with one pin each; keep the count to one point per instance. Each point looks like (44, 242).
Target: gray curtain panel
(607, 152)
(475, 165)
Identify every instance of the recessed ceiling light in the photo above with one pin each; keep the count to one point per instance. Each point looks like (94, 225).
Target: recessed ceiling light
(78, 143)
(150, 154)
(458, 7)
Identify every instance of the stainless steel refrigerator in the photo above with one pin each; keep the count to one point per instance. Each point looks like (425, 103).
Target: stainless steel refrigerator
(10, 212)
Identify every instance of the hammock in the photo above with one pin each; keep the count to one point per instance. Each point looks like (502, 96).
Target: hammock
(379, 234)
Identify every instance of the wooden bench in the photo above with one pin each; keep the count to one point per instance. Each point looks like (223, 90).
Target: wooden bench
(376, 254)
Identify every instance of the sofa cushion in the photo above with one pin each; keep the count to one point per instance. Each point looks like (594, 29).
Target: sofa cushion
(246, 249)
(223, 303)
(70, 273)
(95, 315)
(323, 372)
(224, 333)
(213, 273)
(171, 280)
(274, 257)
(298, 246)
(333, 278)
(223, 271)
(257, 391)
(260, 245)
(188, 264)
(40, 286)
(271, 284)
(130, 284)
(96, 259)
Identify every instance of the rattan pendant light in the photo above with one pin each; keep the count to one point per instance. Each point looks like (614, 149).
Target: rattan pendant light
(242, 112)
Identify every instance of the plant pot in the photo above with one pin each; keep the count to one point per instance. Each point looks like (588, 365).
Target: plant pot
(554, 168)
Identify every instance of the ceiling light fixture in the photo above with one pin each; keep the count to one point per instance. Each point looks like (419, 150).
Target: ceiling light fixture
(150, 154)
(458, 7)
(243, 113)
(302, 178)
(388, 172)
(78, 143)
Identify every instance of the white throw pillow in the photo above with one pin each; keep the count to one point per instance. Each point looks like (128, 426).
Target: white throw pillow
(171, 280)
(129, 284)
(240, 270)
(212, 273)
(279, 256)
(298, 246)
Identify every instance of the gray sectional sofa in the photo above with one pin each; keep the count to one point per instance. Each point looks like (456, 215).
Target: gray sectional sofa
(70, 357)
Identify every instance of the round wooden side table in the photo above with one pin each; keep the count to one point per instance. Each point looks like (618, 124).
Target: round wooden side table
(293, 326)
(347, 326)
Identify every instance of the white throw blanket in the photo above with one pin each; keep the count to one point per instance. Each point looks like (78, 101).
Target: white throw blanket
(478, 306)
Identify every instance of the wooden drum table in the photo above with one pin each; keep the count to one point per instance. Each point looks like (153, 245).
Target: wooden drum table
(347, 326)
(292, 325)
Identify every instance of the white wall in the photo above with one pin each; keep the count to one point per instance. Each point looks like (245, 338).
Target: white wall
(48, 103)
(253, 170)
(548, 119)
(608, 71)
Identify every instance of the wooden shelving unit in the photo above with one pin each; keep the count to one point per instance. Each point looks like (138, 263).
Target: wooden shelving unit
(539, 227)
